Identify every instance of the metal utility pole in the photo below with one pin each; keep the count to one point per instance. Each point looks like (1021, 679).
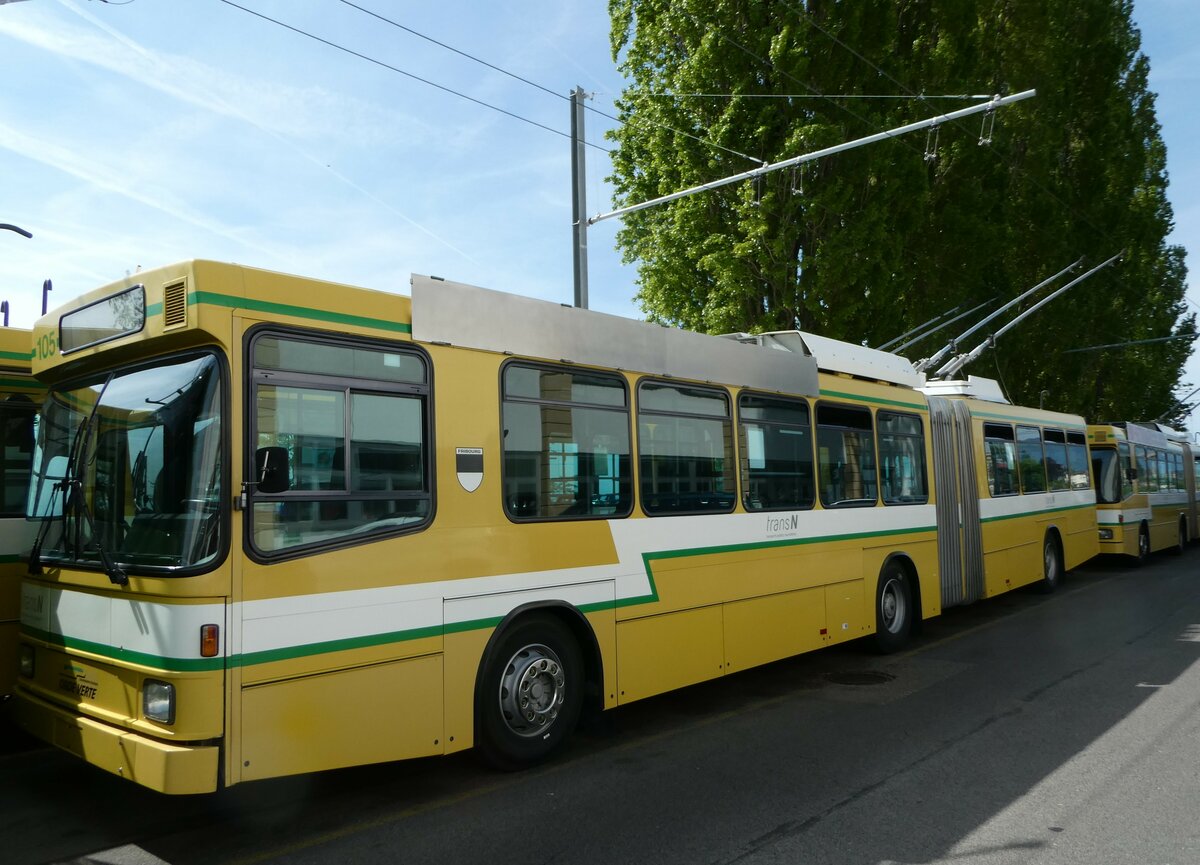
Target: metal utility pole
(579, 198)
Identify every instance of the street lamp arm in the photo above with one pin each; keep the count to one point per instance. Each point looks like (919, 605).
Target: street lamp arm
(15, 228)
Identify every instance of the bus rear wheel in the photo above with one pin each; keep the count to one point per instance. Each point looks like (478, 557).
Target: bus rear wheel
(1052, 565)
(893, 609)
(529, 694)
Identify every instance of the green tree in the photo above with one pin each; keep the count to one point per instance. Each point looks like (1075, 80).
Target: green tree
(865, 244)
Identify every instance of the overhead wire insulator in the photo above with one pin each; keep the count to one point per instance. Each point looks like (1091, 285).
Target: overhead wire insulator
(931, 143)
(986, 127)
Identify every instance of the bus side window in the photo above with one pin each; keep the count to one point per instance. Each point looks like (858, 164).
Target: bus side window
(1000, 459)
(354, 420)
(1033, 460)
(846, 451)
(1077, 461)
(901, 458)
(565, 442)
(1054, 442)
(688, 466)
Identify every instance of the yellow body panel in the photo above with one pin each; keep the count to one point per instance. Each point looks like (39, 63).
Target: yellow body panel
(761, 630)
(661, 653)
(363, 715)
(158, 765)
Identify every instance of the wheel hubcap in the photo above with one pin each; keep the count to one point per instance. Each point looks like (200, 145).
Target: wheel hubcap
(891, 606)
(532, 690)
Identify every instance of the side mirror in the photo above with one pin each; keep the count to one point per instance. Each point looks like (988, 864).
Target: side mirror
(271, 470)
(1131, 474)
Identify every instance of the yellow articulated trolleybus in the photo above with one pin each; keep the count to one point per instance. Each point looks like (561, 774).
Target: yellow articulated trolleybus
(19, 395)
(287, 525)
(1028, 504)
(1145, 488)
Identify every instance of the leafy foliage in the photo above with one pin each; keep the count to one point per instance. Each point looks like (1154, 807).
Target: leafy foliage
(865, 244)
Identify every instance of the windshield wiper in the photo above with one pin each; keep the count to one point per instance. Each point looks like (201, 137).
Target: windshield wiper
(71, 486)
(57, 488)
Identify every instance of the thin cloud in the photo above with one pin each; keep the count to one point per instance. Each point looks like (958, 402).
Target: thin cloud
(277, 111)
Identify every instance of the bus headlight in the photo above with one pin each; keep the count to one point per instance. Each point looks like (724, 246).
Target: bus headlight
(1106, 534)
(158, 701)
(26, 661)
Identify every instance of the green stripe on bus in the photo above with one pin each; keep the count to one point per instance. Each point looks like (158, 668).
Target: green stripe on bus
(175, 665)
(649, 558)
(231, 301)
(16, 355)
(879, 400)
(1027, 420)
(1035, 513)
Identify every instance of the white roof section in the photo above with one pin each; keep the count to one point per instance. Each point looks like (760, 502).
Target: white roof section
(833, 355)
(1149, 435)
(976, 387)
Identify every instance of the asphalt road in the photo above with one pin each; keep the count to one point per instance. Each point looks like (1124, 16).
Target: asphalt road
(1027, 729)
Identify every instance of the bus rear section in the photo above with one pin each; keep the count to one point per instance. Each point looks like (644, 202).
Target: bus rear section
(19, 394)
(1015, 500)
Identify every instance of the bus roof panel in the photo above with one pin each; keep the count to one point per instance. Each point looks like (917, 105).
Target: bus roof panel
(472, 317)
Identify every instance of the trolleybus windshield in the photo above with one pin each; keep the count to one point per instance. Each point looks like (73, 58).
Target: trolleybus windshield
(144, 462)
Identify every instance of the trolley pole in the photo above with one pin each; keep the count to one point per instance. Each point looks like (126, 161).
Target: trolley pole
(579, 198)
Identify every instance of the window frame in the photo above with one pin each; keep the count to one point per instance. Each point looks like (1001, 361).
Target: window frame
(1058, 438)
(1076, 443)
(629, 420)
(1041, 443)
(18, 407)
(1007, 434)
(846, 504)
(924, 439)
(742, 450)
(252, 377)
(728, 418)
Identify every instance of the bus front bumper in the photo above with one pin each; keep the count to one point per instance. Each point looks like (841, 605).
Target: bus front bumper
(158, 765)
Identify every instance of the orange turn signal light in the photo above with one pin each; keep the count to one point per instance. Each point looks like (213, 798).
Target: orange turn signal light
(210, 641)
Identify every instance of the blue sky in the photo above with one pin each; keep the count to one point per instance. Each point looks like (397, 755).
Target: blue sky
(146, 133)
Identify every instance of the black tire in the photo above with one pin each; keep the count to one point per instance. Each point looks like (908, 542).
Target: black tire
(894, 609)
(1181, 541)
(1143, 550)
(529, 693)
(1052, 565)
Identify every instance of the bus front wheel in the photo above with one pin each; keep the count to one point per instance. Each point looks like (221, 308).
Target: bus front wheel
(893, 608)
(529, 694)
(1143, 547)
